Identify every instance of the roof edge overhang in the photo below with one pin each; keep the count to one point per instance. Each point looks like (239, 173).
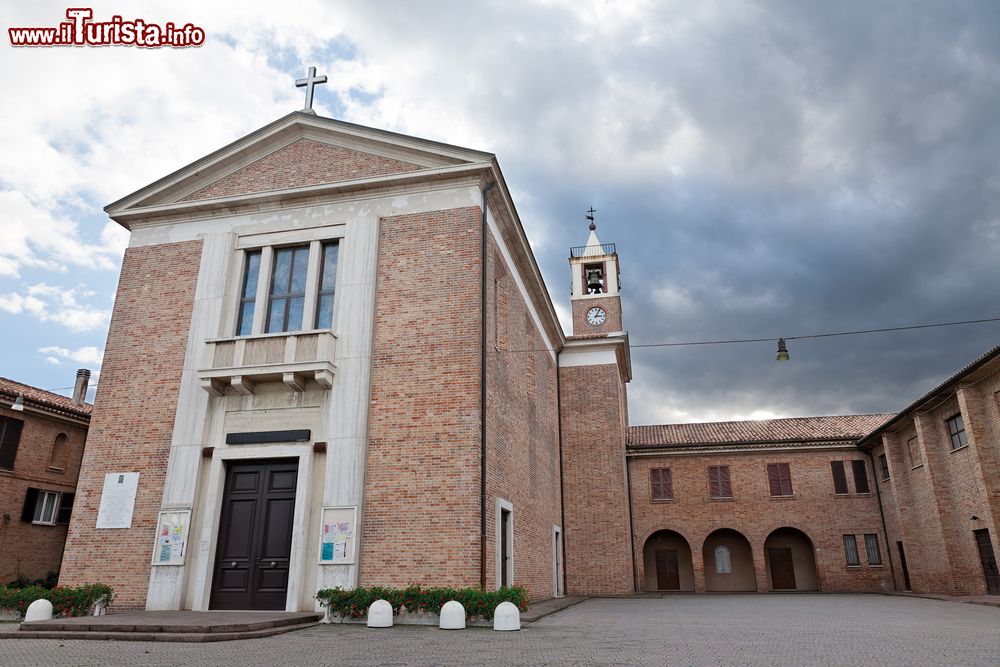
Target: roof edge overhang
(694, 449)
(988, 364)
(303, 121)
(616, 342)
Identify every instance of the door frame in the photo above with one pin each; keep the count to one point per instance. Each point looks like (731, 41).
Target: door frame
(210, 517)
(504, 505)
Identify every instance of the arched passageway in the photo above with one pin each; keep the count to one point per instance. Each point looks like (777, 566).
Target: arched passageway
(791, 561)
(667, 565)
(728, 562)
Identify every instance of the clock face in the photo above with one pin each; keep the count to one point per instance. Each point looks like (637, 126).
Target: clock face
(596, 316)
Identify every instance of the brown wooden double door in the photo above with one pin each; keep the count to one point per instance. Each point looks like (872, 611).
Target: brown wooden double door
(255, 535)
(988, 560)
(668, 574)
(782, 568)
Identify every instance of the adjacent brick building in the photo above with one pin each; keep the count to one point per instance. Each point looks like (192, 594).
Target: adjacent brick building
(333, 362)
(42, 438)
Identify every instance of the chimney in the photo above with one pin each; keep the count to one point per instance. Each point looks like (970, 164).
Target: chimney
(82, 384)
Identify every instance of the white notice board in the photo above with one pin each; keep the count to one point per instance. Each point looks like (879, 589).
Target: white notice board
(172, 530)
(337, 535)
(117, 500)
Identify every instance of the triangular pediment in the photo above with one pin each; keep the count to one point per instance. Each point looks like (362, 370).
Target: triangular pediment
(294, 153)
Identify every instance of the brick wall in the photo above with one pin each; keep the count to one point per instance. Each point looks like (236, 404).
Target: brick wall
(522, 432)
(598, 548)
(421, 514)
(133, 417)
(304, 162)
(813, 509)
(932, 499)
(26, 549)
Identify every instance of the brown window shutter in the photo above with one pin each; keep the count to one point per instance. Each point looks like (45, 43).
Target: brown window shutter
(774, 479)
(713, 482)
(30, 500)
(725, 488)
(656, 483)
(839, 477)
(668, 483)
(860, 476)
(10, 437)
(785, 478)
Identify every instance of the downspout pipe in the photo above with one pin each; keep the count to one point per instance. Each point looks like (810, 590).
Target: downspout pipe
(562, 487)
(881, 511)
(484, 247)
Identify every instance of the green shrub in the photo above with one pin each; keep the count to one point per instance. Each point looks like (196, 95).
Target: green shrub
(48, 581)
(478, 603)
(66, 600)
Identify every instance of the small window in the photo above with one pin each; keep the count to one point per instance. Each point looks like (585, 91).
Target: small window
(913, 449)
(288, 289)
(719, 485)
(59, 453)
(871, 547)
(660, 484)
(327, 285)
(851, 551)
(723, 561)
(860, 471)
(65, 508)
(839, 477)
(956, 431)
(10, 438)
(883, 465)
(46, 504)
(248, 294)
(779, 478)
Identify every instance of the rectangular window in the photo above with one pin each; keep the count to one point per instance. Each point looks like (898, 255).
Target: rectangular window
(956, 431)
(883, 464)
(594, 281)
(913, 450)
(10, 438)
(65, 508)
(779, 478)
(719, 485)
(839, 477)
(248, 295)
(871, 547)
(327, 283)
(860, 471)
(851, 551)
(660, 483)
(288, 289)
(46, 503)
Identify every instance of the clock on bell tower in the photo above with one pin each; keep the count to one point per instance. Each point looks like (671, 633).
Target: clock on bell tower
(596, 286)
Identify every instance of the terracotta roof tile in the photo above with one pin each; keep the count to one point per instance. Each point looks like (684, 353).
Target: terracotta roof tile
(796, 429)
(9, 389)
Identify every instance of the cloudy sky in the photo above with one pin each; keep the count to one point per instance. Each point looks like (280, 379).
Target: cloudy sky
(766, 169)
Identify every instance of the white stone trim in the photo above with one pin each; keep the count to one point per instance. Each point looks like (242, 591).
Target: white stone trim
(587, 357)
(210, 515)
(498, 237)
(503, 504)
(558, 562)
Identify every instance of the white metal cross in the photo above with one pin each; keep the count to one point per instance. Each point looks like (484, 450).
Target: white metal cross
(309, 83)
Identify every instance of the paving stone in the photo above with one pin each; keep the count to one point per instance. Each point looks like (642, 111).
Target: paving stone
(807, 630)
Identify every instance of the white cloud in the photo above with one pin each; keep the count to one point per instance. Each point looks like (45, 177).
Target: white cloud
(61, 305)
(88, 354)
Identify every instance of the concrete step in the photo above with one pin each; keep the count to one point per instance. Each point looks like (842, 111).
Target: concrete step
(146, 636)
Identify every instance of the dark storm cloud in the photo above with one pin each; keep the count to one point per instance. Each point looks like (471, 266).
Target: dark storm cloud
(846, 177)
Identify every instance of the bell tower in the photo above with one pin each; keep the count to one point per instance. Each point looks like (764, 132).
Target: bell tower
(596, 286)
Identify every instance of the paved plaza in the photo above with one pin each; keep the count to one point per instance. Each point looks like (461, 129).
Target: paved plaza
(717, 630)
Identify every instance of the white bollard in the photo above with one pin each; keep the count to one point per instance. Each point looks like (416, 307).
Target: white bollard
(380, 614)
(39, 610)
(452, 616)
(506, 617)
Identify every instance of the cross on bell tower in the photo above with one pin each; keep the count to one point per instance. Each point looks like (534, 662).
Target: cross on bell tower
(596, 284)
(309, 83)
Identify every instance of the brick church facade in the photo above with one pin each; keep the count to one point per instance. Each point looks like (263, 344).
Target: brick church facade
(333, 361)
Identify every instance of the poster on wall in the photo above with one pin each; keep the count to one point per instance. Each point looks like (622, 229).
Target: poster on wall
(337, 535)
(172, 531)
(117, 500)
